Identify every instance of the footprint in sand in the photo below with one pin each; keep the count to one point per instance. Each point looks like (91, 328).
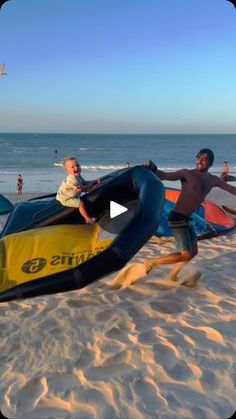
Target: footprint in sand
(180, 372)
(209, 380)
(169, 306)
(164, 355)
(85, 359)
(169, 358)
(149, 393)
(148, 337)
(107, 372)
(29, 396)
(119, 358)
(63, 382)
(118, 334)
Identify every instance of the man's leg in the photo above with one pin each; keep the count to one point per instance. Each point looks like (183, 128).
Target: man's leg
(173, 275)
(185, 239)
(179, 259)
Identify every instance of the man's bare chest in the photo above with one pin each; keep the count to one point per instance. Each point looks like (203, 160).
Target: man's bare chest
(197, 185)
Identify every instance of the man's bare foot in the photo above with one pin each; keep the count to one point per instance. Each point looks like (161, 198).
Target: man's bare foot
(192, 280)
(172, 278)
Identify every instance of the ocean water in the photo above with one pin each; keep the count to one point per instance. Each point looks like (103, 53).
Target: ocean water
(38, 157)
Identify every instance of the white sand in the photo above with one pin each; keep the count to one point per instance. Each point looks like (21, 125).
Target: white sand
(144, 348)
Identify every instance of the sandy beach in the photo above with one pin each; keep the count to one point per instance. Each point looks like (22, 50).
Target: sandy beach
(133, 348)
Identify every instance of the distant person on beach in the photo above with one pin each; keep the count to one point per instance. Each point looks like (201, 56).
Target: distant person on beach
(225, 171)
(195, 185)
(127, 164)
(71, 188)
(19, 185)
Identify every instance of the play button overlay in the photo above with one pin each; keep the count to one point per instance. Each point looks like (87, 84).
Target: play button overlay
(116, 209)
(117, 216)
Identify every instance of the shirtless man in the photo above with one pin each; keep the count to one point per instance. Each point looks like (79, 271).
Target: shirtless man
(196, 184)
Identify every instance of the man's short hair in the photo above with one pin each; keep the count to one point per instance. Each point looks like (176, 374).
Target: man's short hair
(209, 153)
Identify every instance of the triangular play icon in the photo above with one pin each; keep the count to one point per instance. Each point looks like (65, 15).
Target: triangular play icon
(116, 209)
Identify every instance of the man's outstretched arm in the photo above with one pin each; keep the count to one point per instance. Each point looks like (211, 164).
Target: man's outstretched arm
(225, 186)
(177, 175)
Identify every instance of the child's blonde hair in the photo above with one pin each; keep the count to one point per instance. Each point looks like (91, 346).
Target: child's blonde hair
(66, 159)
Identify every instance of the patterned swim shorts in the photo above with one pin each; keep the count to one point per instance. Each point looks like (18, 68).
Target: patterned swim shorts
(183, 231)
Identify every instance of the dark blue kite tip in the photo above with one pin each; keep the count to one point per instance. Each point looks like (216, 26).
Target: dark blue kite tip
(233, 2)
(2, 2)
(5, 205)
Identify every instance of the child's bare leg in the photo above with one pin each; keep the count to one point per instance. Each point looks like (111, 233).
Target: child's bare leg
(84, 213)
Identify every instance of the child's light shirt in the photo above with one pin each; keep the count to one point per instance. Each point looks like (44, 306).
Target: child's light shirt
(67, 189)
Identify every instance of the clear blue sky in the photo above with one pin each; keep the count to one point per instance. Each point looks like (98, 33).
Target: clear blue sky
(130, 66)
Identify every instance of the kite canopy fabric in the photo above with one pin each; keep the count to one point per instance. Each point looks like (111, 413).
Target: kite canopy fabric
(46, 251)
(53, 251)
(208, 219)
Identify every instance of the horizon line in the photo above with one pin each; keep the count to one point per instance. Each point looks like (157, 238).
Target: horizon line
(117, 133)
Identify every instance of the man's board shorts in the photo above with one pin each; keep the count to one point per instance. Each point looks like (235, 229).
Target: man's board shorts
(183, 231)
